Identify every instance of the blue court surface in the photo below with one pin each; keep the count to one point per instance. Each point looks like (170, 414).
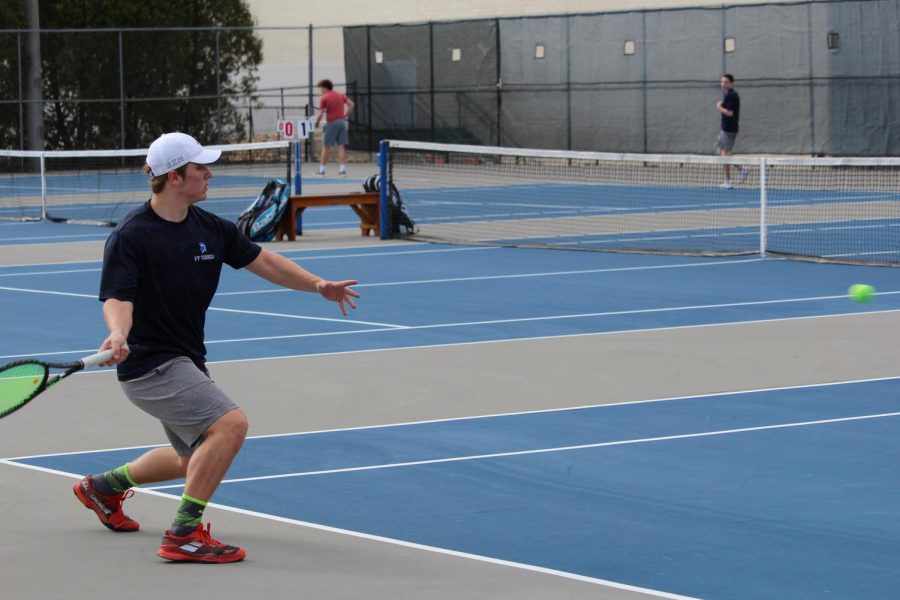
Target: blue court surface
(773, 494)
(767, 493)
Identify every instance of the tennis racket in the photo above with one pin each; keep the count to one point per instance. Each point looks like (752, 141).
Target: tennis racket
(23, 380)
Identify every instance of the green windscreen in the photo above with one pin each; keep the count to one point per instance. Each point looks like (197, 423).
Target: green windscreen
(18, 383)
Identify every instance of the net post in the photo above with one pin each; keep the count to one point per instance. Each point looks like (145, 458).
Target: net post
(298, 184)
(763, 199)
(383, 158)
(297, 179)
(44, 211)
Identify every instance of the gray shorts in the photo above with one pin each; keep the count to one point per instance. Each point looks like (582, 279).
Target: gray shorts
(725, 141)
(183, 398)
(335, 134)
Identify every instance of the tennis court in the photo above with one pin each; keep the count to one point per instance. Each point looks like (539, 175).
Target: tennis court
(491, 422)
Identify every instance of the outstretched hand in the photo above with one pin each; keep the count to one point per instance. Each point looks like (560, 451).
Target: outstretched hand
(340, 292)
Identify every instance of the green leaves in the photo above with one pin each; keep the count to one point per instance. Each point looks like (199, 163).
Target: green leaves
(168, 79)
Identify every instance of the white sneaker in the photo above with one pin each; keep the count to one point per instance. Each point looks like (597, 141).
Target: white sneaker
(320, 173)
(726, 186)
(742, 176)
(342, 173)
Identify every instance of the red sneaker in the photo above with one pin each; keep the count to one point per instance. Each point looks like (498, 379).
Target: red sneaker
(108, 508)
(198, 546)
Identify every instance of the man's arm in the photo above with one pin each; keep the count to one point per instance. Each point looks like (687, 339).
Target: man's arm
(349, 103)
(286, 273)
(723, 110)
(321, 114)
(726, 106)
(118, 316)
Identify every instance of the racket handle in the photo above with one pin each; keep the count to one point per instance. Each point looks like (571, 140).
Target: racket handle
(95, 359)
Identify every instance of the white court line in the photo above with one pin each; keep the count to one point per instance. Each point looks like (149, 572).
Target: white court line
(212, 308)
(50, 264)
(51, 272)
(2, 246)
(448, 280)
(573, 316)
(289, 316)
(494, 341)
(60, 237)
(435, 461)
(519, 275)
(282, 252)
(387, 540)
(781, 388)
(47, 292)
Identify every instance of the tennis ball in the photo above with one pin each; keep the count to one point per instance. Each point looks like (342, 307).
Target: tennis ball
(861, 292)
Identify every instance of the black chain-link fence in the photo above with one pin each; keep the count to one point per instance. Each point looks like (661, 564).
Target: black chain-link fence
(815, 77)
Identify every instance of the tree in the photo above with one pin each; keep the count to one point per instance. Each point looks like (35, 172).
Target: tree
(13, 14)
(169, 78)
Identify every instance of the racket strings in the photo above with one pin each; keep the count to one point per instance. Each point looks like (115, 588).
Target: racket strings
(19, 383)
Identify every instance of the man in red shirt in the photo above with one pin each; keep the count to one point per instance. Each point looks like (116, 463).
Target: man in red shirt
(332, 105)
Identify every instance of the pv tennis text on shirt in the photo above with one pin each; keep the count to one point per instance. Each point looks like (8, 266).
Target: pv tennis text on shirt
(203, 255)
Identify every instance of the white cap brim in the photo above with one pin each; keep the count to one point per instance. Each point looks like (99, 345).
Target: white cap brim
(206, 156)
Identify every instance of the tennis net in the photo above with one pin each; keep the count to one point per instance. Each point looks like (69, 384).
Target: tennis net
(99, 187)
(837, 209)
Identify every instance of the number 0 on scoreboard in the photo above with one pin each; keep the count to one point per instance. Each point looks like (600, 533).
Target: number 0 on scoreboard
(294, 128)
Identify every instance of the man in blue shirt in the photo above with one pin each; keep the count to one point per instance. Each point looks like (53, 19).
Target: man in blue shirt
(730, 108)
(161, 268)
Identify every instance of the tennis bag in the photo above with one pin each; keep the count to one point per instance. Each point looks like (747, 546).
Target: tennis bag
(260, 220)
(398, 218)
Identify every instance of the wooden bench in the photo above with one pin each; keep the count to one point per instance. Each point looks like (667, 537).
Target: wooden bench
(364, 204)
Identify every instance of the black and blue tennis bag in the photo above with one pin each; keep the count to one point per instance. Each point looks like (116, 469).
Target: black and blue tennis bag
(397, 216)
(260, 220)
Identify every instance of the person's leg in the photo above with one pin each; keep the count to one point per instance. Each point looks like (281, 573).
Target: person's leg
(159, 464)
(187, 540)
(104, 492)
(206, 430)
(326, 151)
(342, 158)
(341, 140)
(723, 148)
(329, 140)
(211, 459)
(727, 167)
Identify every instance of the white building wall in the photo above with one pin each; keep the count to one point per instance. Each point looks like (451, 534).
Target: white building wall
(366, 12)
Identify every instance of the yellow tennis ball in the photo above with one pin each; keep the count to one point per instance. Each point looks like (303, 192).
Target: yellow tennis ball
(861, 292)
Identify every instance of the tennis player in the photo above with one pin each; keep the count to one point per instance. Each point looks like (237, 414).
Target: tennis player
(730, 109)
(161, 268)
(336, 108)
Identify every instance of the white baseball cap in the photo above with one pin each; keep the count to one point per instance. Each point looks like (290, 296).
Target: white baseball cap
(172, 150)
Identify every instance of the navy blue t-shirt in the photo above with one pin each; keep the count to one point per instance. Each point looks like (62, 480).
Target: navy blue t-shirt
(732, 102)
(170, 272)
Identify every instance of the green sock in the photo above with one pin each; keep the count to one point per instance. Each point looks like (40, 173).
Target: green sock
(189, 515)
(114, 482)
